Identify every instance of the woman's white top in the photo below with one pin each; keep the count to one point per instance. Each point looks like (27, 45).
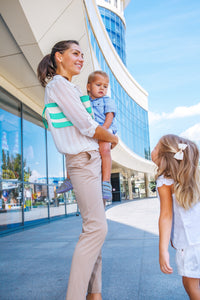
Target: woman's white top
(77, 138)
(186, 223)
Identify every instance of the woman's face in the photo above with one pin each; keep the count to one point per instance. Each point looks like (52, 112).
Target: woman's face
(70, 62)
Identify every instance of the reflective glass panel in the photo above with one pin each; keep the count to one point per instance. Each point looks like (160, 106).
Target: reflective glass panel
(35, 202)
(10, 204)
(10, 137)
(34, 147)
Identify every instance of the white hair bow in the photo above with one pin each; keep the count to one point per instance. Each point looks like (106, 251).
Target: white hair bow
(179, 154)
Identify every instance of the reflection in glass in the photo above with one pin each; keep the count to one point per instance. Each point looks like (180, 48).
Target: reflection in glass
(34, 147)
(57, 173)
(10, 204)
(10, 137)
(26, 200)
(35, 202)
(55, 161)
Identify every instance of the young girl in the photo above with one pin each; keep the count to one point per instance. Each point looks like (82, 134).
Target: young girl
(178, 186)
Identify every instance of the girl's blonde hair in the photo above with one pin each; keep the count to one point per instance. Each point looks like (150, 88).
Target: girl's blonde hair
(185, 173)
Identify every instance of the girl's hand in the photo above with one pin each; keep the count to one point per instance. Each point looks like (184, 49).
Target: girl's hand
(164, 263)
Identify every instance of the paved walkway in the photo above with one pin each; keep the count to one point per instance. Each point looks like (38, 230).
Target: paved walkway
(35, 263)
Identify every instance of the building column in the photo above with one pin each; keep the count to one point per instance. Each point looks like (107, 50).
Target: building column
(124, 189)
(146, 180)
(130, 188)
(119, 5)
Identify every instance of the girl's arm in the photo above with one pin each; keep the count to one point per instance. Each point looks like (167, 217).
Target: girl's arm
(165, 226)
(108, 120)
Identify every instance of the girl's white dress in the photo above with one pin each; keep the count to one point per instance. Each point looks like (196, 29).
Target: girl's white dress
(185, 235)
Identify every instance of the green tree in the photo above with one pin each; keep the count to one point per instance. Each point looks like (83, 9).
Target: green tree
(9, 162)
(4, 165)
(152, 185)
(12, 166)
(17, 165)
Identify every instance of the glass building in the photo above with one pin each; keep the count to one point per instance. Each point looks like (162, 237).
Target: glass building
(116, 30)
(31, 168)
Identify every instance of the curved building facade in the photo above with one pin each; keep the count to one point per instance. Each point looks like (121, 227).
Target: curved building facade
(132, 119)
(116, 30)
(31, 168)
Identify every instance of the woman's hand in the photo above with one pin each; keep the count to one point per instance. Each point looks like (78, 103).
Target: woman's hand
(104, 135)
(113, 144)
(164, 262)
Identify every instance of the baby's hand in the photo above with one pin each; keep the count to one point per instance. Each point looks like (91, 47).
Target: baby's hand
(164, 263)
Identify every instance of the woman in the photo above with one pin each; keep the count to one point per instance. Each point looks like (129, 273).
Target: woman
(80, 146)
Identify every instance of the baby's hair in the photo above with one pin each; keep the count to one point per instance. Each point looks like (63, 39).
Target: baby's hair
(185, 173)
(91, 77)
(47, 67)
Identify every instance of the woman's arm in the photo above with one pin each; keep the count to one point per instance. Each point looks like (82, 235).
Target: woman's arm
(165, 226)
(104, 135)
(67, 99)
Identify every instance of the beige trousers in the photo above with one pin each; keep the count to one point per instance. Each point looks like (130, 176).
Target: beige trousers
(85, 173)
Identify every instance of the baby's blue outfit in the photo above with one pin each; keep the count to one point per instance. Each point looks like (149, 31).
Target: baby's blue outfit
(102, 106)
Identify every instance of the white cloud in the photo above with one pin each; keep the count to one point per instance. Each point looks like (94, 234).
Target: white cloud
(34, 176)
(192, 133)
(154, 117)
(29, 152)
(179, 112)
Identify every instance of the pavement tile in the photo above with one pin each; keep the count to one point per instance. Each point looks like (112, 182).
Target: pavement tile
(35, 263)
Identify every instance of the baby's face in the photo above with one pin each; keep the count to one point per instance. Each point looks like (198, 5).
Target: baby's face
(99, 87)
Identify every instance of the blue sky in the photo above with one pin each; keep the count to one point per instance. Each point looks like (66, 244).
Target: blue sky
(163, 55)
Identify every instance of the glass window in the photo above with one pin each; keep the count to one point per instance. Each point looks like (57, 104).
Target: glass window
(10, 204)
(112, 25)
(107, 20)
(35, 202)
(10, 141)
(55, 159)
(34, 147)
(115, 29)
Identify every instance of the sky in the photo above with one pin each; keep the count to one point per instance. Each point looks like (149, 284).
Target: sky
(163, 56)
